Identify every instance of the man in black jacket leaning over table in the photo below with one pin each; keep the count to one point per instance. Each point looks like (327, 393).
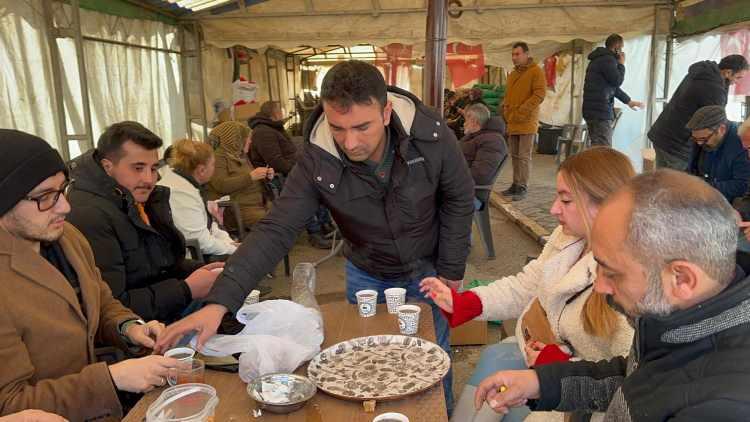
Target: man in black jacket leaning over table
(391, 173)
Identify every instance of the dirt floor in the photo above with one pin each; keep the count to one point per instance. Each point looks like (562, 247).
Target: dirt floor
(512, 247)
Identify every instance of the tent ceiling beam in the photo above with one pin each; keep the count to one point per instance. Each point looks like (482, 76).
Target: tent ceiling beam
(376, 8)
(420, 10)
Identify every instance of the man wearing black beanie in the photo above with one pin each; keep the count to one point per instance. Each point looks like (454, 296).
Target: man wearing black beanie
(54, 303)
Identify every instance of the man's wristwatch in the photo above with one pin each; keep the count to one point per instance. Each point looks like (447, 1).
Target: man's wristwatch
(124, 327)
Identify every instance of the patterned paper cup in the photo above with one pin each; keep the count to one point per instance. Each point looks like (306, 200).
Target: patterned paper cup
(408, 319)
(367, 303)
(395, 297)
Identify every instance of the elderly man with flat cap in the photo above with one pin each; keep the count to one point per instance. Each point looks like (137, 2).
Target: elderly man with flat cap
(55, 306)
(718, 156)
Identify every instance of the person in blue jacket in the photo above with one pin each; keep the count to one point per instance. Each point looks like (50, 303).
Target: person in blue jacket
(718, 156)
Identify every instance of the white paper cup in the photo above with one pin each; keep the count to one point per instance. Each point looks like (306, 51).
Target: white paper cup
(408, 319)
(180, 353)
(395, 297)
(367, 302)
(391, 417)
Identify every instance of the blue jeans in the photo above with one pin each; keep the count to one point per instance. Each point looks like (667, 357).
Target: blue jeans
(498, 357)
(357, 280)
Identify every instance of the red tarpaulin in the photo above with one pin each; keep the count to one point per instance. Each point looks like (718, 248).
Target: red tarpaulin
(465, 62)
(398, 55)
(550, 71)
(737, 42)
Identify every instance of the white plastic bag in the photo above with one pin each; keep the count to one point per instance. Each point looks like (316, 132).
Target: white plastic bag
(279, 335)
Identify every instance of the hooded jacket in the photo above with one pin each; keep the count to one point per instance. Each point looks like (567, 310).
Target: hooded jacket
(420, 219)
(145, 266)
(484, 150)
(727, 168)
(271, 146)
(702, 86)
(525, 92)
(604, 75)
(689, 366)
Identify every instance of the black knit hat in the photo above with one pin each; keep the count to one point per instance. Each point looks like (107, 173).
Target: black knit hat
(25, 162)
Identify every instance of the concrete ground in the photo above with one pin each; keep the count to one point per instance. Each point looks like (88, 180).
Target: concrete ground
(542, 189)
(512, 246)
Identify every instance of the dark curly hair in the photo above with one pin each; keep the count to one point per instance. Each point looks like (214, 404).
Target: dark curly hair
(109, 145)
(353, 82)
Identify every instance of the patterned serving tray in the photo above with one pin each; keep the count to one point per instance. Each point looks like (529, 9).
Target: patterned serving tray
(384, 367)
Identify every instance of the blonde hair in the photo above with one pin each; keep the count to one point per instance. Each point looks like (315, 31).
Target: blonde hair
(592, 176)
(187, 155)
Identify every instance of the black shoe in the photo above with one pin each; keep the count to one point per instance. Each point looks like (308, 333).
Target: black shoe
(519, 194)
(510, 191)
(317, 240)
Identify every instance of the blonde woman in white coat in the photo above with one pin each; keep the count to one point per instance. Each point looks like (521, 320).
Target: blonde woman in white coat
(191, 165)
(561, 278)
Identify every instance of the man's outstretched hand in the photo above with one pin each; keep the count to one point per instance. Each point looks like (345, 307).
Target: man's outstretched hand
(204, 321)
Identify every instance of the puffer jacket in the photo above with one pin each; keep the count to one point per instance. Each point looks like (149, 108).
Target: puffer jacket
(420, 220)
(689, 366)
(525, 92)
(484, 150)
(604, 75)
(271, 146)
(727, 168)
(702, 86)
(562, 282)
(145, 266)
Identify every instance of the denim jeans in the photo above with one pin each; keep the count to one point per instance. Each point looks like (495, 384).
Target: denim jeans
(498, 357)
(357, 280)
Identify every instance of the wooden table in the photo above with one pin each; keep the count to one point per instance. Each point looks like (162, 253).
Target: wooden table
(341, 323)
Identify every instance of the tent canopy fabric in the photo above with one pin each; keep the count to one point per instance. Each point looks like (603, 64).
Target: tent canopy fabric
(496, 25)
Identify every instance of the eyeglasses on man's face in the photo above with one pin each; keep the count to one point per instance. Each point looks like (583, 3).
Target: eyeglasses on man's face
(703, 139)
(47, 200)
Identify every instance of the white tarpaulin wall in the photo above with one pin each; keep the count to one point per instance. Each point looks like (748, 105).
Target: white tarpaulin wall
(125, 83)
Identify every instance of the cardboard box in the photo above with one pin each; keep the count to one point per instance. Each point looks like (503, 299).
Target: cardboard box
(470, 333)
(245, 111)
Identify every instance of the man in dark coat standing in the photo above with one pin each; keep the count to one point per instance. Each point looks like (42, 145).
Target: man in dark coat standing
(604, 75)
(707, 83)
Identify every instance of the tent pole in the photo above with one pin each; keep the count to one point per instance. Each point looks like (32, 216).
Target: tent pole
(652, 71)
(199, 58)
(434, 63)
(573, 84)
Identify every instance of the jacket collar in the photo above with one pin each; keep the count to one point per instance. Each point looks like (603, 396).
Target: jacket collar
(495, 125)
(90, 177)
(728, 309)
(27, 262)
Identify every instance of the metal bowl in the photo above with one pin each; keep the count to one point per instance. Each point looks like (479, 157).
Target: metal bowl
(300, 388)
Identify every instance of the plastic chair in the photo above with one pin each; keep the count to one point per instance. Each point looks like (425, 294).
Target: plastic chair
(482, 215)
(244, 232)
(564, 140)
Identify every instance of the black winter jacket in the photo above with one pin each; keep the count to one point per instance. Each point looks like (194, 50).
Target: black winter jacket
(689, 366)
(604, 75)
(702, 86)
(727, 168)
(271, 146)
(145, 266)
(420, 220)
(484, 151)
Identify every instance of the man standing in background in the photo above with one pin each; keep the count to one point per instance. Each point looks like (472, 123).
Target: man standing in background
(525, 92)
(604, 75)
(707, 83)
